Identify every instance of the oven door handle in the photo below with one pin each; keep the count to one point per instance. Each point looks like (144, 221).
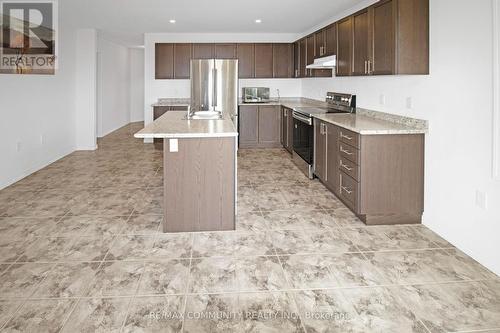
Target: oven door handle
(303, 119)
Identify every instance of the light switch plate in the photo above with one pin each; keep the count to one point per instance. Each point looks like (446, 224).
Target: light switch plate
(481, 199)
(173, 145)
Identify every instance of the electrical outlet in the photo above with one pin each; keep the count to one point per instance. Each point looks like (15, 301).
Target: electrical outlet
(173, 145)
(382, 99)
(481, 199)
(18, 146)
(409, 103)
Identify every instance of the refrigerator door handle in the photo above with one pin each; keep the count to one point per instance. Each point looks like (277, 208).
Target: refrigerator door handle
(215, 89)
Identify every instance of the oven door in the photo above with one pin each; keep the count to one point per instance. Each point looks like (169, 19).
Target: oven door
(303, 137)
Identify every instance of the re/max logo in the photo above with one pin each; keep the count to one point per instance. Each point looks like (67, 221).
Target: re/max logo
(28, 26)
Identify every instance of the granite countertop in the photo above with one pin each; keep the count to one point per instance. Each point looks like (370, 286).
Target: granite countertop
(366, 125)
(365, 121)
(172, 102)
(172, 125)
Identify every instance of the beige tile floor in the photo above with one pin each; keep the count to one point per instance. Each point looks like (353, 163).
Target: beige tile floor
(81, 251)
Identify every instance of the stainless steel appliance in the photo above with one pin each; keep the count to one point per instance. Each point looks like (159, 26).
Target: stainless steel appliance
(214, 89)
(256, 95)
(303, 128)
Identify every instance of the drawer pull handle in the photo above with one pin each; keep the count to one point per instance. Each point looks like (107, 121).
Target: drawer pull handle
(345, 136)
(345, 166)
(342, 150)
(345, 189)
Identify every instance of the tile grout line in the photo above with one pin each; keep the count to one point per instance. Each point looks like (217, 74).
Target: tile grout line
(292, 293)
(186, 289)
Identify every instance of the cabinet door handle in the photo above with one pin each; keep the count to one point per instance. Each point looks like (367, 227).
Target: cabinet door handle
(345, 166)
(345, 189)
(366, 67)
(370, 71)
(345, 151)
(342, 135)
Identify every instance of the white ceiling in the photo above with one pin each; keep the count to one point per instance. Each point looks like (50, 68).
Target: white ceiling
(127, 20)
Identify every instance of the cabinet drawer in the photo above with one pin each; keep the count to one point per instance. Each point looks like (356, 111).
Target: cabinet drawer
(349, 137)
(349, 168)
(349, 189)
(348, 152)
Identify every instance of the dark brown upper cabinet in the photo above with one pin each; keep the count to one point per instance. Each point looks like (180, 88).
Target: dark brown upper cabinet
(296, 59)
(264, 60)
(344, 49)
(246, 60)
(225, 51)
(203, 51)
(303, 57)
(360, 43)
(310, 50)
(282, 60)
(319, 44)
(331, 39)
(164, 61)
(391, 37)
(182, 60)
(411, 26)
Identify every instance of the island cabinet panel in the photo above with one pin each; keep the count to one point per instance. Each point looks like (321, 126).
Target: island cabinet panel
(360, 43)
(164, 61)
(282, 60)
(344, 50)
(203, 51)
(225, 51)
(264, 60)
(259, 126)
(331, 40)
(182, 61)
(200, 185)
(246, 60)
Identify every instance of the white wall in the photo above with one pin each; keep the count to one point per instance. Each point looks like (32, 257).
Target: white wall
(85, 80)
(457, 99)
(38, 113)
(136, 57)
(114, 87)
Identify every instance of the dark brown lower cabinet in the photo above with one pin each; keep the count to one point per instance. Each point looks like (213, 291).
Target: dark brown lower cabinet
(379, 177)
(259, 126)
(287, 129)
(325, 158)
(320, 154)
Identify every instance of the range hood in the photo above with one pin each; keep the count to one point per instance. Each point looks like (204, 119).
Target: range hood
(325, 62)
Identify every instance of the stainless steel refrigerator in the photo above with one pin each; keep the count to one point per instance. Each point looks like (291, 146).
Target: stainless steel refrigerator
(214, 87)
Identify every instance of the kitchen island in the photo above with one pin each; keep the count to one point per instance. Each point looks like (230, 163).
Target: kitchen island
(199, 170)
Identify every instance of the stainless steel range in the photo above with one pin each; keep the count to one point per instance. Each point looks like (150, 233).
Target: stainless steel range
(303, 127)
